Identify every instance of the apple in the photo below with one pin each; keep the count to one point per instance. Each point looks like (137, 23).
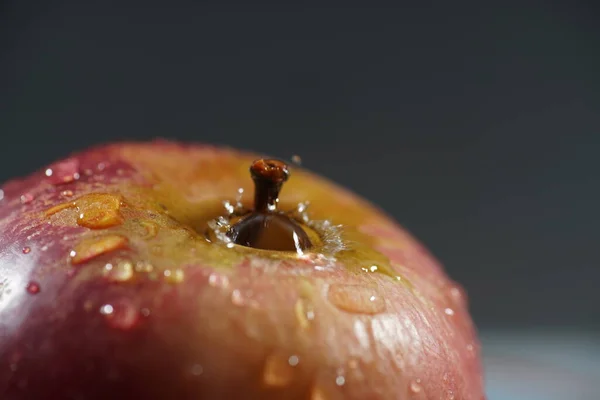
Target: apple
(163, 270)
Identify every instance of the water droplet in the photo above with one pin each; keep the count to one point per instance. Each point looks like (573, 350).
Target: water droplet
(174, 276)
(101, 166)
(99, 210)
(278, 372)
(33, 287)
(297, 160)
(359, 299)
(120, 315)
(293, 360)
(122, 272)
(66, 193)
(340, 380)
(450, 395)
(415, 386)
(449, 311)
(304, 313)
(457, 295)
(44, 248)
(145, 312)
(91, 248)
(63, 172)
(26, 198)
(26, 250)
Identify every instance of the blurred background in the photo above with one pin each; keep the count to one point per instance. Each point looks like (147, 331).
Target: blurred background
(483, 116)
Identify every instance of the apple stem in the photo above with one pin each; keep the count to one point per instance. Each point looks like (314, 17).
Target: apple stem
(269, 176)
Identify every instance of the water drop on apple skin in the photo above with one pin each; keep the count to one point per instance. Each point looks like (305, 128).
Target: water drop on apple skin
(33, 287)
(415, 386)
(359, 299)
(26, 250)
(279, 370)
(27, 198)
(63, 172)
(122, 314)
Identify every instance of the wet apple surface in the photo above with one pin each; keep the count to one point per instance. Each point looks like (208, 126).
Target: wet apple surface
(161, 271)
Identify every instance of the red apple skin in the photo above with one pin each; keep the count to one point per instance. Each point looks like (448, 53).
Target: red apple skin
(206, 321)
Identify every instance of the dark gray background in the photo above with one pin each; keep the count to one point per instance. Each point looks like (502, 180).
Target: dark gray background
(482, 122)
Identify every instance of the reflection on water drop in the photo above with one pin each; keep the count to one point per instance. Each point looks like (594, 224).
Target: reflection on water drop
(360, 299)
(66, 193)
(33, 288)
(278, 371)
(26, 250)
(449, 311)
(415, 386)
(106, 309)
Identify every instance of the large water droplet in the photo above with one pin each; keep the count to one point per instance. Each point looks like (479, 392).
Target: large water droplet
(33, 287)
(26, 250)
(359, 299)
(99, 210)
(278, 370)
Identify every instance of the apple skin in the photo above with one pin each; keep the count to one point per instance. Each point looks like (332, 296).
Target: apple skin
(180, 318)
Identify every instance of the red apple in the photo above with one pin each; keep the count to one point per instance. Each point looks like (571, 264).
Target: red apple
(118, 282)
